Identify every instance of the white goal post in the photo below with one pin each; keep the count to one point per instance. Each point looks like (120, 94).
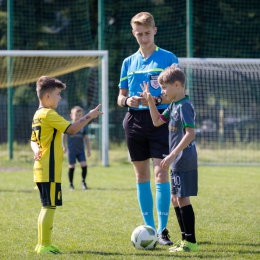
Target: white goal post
(89, 58)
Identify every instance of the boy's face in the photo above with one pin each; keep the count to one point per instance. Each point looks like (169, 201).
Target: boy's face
(76, 115)
(170, 91)
(53, 98)
(144, 35)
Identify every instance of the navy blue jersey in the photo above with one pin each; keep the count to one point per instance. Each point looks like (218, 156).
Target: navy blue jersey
(76, 141)
(180, 115)
(136, 69)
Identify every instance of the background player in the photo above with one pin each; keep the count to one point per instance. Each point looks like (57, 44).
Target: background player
(183, 155)
(46, 143)
(143, 139)
(74, 145)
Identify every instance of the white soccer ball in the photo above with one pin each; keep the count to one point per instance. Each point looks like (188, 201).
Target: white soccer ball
(144, 237)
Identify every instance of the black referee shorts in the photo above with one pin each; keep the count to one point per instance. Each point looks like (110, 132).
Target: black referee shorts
(143, 139)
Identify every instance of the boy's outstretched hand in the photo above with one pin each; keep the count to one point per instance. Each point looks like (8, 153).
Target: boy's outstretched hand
(94, 113)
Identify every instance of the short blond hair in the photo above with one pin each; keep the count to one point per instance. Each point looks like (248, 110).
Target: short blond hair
(172, 74)
(144, 18)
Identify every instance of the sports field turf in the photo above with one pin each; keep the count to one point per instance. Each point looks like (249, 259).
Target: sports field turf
(97, 223)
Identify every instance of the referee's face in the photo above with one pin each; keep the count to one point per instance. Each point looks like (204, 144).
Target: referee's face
(144, 35)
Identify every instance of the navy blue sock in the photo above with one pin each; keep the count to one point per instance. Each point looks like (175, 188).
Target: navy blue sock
(188, 218)
(179, 218)
(84, 173)
(71, 174)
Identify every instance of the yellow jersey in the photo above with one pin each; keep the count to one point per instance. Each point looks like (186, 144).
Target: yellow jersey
(47, 129)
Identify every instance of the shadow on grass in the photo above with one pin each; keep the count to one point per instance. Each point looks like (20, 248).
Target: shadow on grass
(144, 253)
(241, 252)
(113, 189)
(97, 188)
(120, 254)
(231, 244)
(248, 252)
(13, 169)
(19, 191)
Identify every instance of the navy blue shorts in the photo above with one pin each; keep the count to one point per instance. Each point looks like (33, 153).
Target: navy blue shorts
(81, 157)
(143, 139)
(50, 193)
(184, 184)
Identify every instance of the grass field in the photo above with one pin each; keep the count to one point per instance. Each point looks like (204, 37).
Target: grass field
(213, 154)
(97, 223)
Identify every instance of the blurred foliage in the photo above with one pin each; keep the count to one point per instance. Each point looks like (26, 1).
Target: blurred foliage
(3, 30)
(221, 29)
(24, 95)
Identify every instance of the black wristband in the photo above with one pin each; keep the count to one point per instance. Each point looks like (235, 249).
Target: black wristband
(123, 102)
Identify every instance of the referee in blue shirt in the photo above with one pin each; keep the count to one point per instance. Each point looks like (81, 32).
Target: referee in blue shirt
(143, 139)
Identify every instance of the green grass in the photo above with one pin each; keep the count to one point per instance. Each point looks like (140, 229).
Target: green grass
(208, 154)
(97, 223)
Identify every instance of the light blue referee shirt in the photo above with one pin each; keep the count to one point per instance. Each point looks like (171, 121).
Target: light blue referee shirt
(136, 69)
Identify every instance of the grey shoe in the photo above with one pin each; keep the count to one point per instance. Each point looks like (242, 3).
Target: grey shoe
(164, 238)
(84, 186)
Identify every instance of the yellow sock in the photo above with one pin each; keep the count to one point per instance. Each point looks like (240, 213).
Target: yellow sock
(46, 224)
(40, 228)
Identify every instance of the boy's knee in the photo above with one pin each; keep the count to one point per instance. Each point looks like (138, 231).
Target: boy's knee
(174, 200)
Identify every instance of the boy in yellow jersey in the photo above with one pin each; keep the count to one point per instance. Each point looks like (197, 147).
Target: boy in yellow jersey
(46, 143)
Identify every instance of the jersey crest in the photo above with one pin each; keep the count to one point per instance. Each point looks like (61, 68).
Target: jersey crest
(154, 81)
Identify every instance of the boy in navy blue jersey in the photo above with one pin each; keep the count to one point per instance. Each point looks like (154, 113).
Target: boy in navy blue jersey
(183, 156)
(75, 147)
(144, 140)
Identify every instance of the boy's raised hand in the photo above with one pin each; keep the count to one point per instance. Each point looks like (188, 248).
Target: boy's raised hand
(94, 113)
(146, 92)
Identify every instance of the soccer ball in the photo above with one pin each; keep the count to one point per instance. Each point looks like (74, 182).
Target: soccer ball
(144, 237)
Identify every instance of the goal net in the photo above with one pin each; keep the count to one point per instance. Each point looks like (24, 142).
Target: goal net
(226, 96)
(225, 93)
(86, 76)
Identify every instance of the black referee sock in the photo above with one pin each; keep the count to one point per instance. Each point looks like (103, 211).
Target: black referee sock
(188, 218)
(71, 174)
(84, 173)
(179, 218)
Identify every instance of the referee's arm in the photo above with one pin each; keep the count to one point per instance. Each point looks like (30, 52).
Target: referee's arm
(124, 100)
(122, 97)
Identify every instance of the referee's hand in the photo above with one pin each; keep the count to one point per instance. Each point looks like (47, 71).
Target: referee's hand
(134, 101)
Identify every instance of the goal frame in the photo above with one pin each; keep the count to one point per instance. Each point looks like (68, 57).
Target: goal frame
(103, 54)
(190, 63)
